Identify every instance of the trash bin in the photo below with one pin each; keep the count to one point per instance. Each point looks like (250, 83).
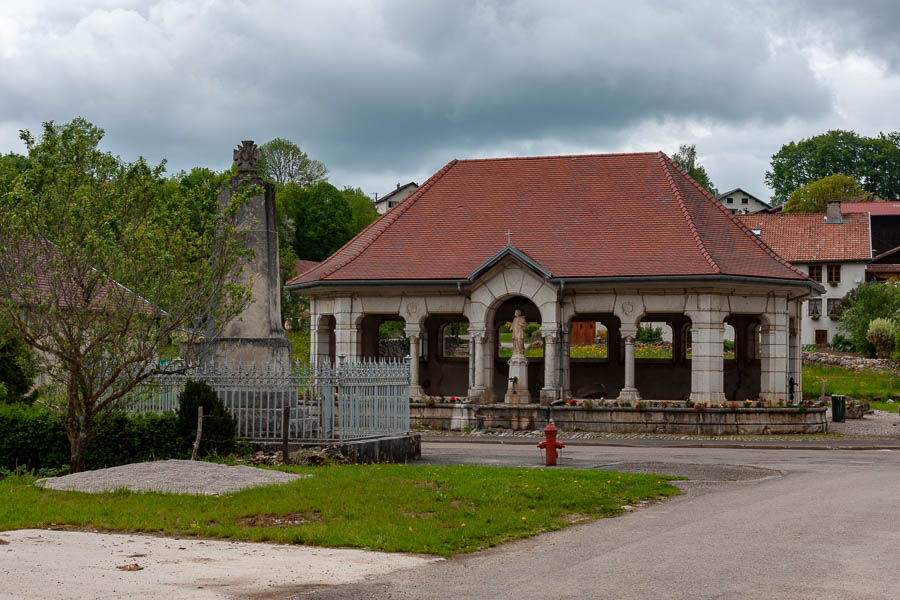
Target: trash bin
(838, 408)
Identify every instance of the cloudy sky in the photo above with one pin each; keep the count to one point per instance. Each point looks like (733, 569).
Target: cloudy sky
(389, 91)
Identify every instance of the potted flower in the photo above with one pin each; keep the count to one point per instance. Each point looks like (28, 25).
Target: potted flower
(814, 317)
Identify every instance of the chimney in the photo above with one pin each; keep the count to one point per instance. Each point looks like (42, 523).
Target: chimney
(833, 212)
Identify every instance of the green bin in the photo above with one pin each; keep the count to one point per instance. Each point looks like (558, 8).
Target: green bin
(838, 408)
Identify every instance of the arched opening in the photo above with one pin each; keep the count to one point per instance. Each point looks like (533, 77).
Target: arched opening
(595, 370)
(741, 357)
(661, 357)
(383, 336)
(446, 348)
(322, 346)
(498, 332)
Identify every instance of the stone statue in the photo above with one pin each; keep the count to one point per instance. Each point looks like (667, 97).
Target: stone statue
(246, 156)
(518, 333)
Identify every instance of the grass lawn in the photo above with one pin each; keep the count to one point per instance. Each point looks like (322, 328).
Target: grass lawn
(862, 384)
(432, 510)
(299, 345)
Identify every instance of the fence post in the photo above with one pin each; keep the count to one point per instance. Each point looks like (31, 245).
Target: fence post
(199, 433)
(285, 430)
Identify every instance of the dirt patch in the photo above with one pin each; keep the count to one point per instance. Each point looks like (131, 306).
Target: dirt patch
(293, 519)
(426, 484)
(577, 518)
(418, 515)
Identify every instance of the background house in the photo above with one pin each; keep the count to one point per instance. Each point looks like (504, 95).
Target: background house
(392, 199)
(740, 202)
(833, 249)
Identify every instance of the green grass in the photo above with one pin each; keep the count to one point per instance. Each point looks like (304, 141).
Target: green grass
(862, 384)
(432, 510)
(299, 345)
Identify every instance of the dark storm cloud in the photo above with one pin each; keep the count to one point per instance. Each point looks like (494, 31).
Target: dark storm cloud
(394, 86)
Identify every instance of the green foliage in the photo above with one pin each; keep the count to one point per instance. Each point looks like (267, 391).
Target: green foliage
(842, 344)
(397, 508)
(105, 264)
(649, 335)
(18, 368)
(391, 329)
(686, 158)
(532, 328)
(874, 162)
(869, 301)
(283, 162)
(881, 335)
(219, 426)
(859, 384)
(321, 219)
(814, 197)
(34, 437)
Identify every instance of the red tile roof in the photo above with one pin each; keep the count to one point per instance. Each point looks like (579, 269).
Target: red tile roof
(875, 208)
(302, 266)
(614, 215)
(808, 238)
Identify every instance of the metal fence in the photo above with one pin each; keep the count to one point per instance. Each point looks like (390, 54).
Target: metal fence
(349, 400)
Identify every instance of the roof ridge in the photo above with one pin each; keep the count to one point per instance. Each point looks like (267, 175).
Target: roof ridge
(687, 215)
(386, 220)
(594, 155)
(706, 194)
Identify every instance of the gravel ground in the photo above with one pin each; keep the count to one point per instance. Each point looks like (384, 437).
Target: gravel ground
(179, 476)
(877, 424)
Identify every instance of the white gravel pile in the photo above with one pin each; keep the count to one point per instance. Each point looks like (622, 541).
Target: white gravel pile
(176, 476)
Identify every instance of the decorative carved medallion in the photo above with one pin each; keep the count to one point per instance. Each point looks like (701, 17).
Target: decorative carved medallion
(246, 156)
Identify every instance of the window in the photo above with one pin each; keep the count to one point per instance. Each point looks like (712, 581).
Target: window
(392, 203)
(834, 306)
(834, 273)
(815, 307)
(815, 272)
(745, 201)
(729, 200)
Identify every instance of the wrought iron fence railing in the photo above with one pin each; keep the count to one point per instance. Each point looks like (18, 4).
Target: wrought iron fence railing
(348, 400)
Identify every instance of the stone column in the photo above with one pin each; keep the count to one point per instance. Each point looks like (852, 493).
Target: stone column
(629, 392)
(490, 352)
(564, 375)
(477, 391)
(320, 332)
(550, 391)
(774, 359)
(415, 390)
(707, 361)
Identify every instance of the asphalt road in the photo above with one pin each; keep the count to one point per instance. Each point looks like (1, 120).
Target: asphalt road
(752, 523)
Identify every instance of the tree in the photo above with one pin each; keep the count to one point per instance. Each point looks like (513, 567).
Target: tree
(18, 369)
(284, 162)
(686, 158)
(864, 304)
(814, 197)
(874, 162)
(104, 265)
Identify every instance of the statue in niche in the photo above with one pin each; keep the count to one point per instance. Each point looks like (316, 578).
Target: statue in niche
(518, 333)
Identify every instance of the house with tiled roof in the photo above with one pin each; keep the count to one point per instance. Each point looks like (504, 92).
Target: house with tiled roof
(741, 202)
(618, 239)
(832, 248)
(394, 197)
(884, 219)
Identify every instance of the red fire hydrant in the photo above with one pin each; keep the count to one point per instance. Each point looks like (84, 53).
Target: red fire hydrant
(550, 444)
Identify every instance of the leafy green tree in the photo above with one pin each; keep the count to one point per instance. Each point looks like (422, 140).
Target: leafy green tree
(874, 162)
(18, 368)
(814, 197)
(284, 162)
(881, 336)
(104, 264)
(686, 158)
(862, 305)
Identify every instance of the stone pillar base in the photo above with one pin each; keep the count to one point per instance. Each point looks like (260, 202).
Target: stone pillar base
(629, 395)
(708, 397)
(517, 386)
(549, 396)
(416, 392)
(478, 395)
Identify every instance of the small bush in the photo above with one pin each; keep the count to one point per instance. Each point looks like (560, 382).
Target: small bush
(842, 344)
(18, 368)
(219, 427)
(649, 335)
(881, 336)
(728, 345)
(532, 328)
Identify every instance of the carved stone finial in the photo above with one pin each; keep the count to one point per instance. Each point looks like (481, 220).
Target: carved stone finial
(246, 156)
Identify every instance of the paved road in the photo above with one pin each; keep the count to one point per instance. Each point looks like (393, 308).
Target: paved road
(802, 523)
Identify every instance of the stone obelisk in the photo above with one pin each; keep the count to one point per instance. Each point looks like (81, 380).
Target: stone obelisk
(256, 334)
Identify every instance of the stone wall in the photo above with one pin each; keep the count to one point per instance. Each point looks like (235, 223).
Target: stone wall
(849, 361)
(709, 421)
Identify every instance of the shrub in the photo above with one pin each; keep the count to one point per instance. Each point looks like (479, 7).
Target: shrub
(532, 328)
(34, 437)
(839, 342)
(881, 336)
(18, 368)
(218, 426)
(870, 301)
(728, 345)
(649, 335)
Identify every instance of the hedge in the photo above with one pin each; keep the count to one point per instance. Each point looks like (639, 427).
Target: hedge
(34, 436)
